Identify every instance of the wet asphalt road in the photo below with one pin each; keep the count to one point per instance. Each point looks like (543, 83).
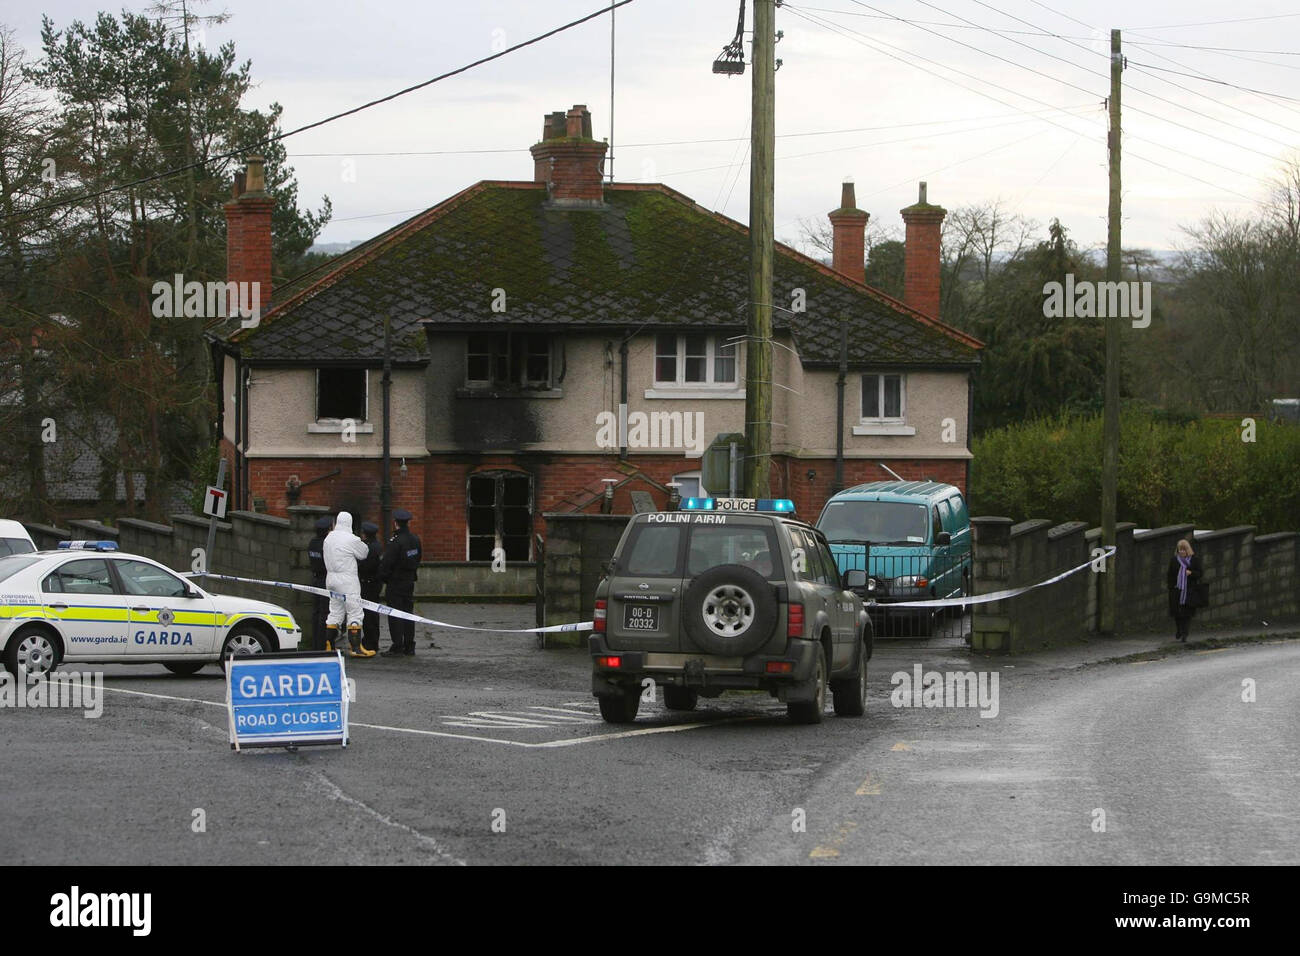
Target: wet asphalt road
(488, 750)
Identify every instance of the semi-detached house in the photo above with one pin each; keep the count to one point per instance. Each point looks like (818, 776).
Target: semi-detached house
(523, 314)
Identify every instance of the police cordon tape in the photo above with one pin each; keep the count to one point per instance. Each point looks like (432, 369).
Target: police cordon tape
(1004, 594)
(587, 625)
(392, 611)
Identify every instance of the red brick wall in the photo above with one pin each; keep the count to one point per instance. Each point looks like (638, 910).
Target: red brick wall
(849, 243)
(434, 490)
(248, 243)
(921, 258)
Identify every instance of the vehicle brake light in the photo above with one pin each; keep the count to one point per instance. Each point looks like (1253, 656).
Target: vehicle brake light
(922, 582)
(614, 662)
(794, 621)
(598, 617)
(780, 667)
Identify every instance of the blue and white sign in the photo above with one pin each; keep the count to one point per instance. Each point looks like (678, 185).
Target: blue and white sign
(281, 700)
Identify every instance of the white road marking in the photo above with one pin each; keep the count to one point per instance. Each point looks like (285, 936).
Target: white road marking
(546, 745)
(337, 793)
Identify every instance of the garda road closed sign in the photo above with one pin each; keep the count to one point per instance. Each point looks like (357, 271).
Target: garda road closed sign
(287, 700)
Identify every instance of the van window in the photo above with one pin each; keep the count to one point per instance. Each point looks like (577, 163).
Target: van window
(878, 522)
(959, 517)
(945, 517)
(936, 525)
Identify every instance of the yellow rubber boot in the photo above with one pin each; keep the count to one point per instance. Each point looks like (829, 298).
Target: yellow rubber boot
(354, 638)
(331, 636)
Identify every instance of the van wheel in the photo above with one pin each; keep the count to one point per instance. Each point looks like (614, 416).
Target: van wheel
(184, 670)
(34, 650)
(680, 698)
(851, 692)
(619, 708)
(811, 711)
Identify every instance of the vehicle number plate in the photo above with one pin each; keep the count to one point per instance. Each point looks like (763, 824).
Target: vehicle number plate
(640, 617)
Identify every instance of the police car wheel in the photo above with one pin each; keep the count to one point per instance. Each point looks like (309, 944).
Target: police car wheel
(680, 698)
(851, 693)
(811, 711)
(619, 708)
(729, 610)
(34, 650)
(243, 642)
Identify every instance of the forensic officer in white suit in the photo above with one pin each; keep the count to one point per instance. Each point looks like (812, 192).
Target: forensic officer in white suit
(342, 551)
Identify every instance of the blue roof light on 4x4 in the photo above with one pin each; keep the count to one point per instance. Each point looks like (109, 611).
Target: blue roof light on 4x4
(777, 505)
(88, 545)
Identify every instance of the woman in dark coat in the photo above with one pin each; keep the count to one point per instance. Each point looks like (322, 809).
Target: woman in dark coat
(1183, 580)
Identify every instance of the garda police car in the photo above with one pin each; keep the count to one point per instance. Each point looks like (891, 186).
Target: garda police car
(88, 602)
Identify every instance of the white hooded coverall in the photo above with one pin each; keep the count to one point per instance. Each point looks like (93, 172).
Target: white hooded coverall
(341, 552)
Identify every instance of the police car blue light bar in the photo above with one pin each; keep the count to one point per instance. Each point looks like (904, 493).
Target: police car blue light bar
(88, 545)
(781, 505)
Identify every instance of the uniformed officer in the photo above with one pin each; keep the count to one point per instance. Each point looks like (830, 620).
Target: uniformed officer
(371, 586)
(397, 569)
(319, 605)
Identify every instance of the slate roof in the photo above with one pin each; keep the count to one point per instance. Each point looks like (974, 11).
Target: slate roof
(649, 259)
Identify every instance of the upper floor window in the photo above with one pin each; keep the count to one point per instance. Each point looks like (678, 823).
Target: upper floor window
(884, 397)
(694, 359)
(341, 393)
(509, 360)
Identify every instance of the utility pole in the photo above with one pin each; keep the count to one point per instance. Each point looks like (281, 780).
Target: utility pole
(1110, 422)
(758, 353)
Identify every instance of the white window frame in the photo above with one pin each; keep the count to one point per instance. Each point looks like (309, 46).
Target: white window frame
(695, 476)
(362, 426)
(709, 388)
(883, 425)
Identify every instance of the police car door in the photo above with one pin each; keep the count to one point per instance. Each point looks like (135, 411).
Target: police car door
(82, 597)
(844, 606)
(165, 619)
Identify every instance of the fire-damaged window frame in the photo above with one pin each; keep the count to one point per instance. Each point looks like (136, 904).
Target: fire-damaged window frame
(330, 423)
(714, 347)
(499, 478)
(499, 358)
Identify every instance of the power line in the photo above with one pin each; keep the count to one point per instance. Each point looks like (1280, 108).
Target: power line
(835, 28)
(1057, 79)
(697, 142)
(1224, 49)
(329, 119)
(1210, 79)
(1227, 106)
(871, 44)
(1210, 23)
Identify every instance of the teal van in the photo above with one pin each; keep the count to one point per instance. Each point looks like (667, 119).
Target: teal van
(912, 538)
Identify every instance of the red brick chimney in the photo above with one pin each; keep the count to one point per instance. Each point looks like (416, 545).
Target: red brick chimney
(569, 161)
(921, 255)
(248, 230)
(849, 225)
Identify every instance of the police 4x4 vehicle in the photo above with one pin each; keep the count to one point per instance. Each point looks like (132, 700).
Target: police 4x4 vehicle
(88, 602)
(728, 594)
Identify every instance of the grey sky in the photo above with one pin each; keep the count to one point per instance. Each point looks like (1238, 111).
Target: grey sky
(320, 57)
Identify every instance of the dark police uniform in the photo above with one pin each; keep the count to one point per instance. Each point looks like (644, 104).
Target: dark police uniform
(319, 605)
(397, 568)
(371, 586)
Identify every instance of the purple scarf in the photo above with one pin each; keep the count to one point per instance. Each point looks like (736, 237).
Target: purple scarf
(1183, 564)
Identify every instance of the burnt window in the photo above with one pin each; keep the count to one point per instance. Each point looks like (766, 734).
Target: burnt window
(341, 393)
(500, 515)
(509, 360)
